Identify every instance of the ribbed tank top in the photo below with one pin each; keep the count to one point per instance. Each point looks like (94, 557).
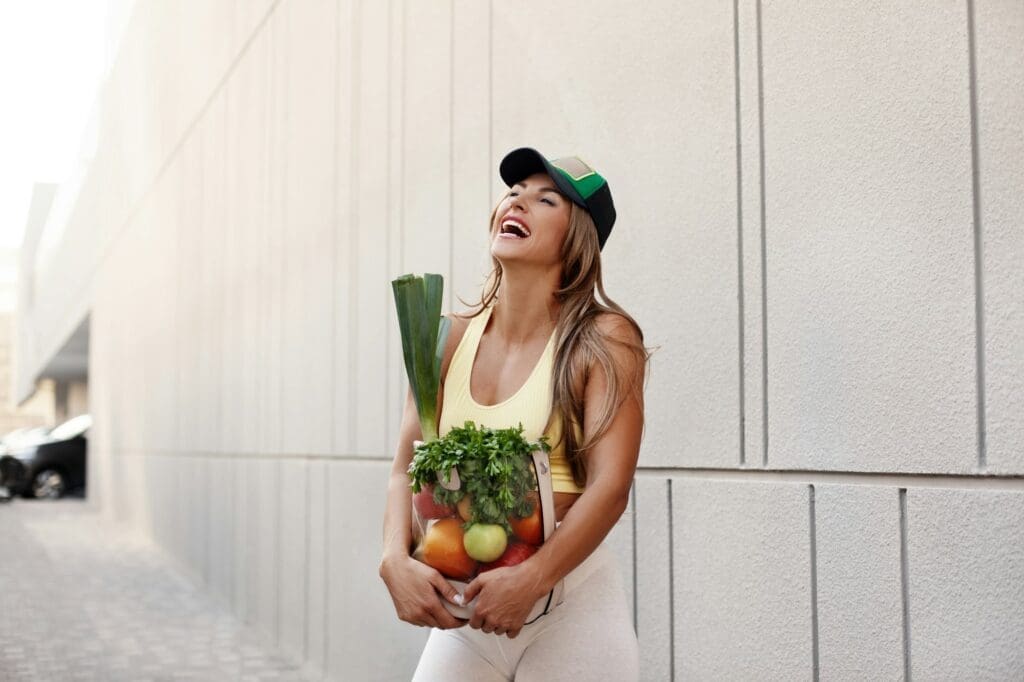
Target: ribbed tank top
(529, 405)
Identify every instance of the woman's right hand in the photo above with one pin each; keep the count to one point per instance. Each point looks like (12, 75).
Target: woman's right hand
(417, 591)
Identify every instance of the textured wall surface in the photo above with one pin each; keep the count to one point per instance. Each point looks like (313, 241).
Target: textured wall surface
(820, 228)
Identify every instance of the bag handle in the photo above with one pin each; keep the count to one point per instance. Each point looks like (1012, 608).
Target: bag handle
(542, 466)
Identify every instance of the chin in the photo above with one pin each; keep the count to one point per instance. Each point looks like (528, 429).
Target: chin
(506, 252)
(512, 259)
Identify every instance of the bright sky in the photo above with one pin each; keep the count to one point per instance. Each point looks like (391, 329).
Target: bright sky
(53, 56)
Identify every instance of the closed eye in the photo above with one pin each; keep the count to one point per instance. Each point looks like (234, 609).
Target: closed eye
(545, 200)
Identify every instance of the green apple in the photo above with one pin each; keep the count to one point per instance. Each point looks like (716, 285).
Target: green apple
(485, 541)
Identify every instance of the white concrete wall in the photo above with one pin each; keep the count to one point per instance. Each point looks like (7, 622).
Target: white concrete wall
(819, 225)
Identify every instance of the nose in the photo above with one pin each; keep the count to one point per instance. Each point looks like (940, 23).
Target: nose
(517, 201)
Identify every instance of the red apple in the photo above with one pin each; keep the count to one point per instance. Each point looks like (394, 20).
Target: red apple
(516, 553)
(427, 508)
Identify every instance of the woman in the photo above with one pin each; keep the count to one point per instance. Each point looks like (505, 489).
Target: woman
(541, 351)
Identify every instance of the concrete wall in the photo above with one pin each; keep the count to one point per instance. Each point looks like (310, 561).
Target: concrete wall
(820, 227)
(40, 410)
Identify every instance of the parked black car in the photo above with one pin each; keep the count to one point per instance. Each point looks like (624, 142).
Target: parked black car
(48, 467)
(24, 436)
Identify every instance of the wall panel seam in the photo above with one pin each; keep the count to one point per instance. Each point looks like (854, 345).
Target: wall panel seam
(389, 408)
(813, 530)
(979, 297)
(671, 584)
(326, 537)
(870, 478)
(334, 227)
(450, 293)
(633, 522)
(306, 564)
(764, 251)
(490, 93)
(739, 230)
(904, 583)
(353, 207)
(403, 96)
(279, 490)
(922, 480)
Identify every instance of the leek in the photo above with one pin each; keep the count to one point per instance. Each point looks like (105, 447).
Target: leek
(424, 332)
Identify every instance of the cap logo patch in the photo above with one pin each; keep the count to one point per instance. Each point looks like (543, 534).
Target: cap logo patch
(574, 167)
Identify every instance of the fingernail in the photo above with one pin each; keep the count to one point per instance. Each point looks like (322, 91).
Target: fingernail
(457, 599)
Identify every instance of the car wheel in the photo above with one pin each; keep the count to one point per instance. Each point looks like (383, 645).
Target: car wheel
(48, 484)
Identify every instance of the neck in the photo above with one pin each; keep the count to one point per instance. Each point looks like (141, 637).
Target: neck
(525, 306)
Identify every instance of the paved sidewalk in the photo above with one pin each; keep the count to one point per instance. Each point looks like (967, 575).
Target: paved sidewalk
(81, 599)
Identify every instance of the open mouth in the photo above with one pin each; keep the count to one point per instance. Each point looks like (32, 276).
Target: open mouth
(512, 228)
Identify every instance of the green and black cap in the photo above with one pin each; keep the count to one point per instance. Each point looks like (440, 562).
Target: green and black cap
(574, 178)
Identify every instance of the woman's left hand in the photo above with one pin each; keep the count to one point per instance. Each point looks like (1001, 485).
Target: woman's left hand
(506, 597)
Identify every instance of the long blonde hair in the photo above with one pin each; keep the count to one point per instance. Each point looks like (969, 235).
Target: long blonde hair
(579, 342)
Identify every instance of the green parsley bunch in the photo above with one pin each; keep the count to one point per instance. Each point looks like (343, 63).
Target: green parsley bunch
(493, 465)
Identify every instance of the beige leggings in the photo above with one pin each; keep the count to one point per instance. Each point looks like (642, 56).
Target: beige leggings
(589, 636)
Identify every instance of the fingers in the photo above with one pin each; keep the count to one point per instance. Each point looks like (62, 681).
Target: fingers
(481, 621)
(476, 621)
(473, 589)
(419, 593)
(434, 616)
(447, 590)
(443, 619)
(496, 629)
(424, 619)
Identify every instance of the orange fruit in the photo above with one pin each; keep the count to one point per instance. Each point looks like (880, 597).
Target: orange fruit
(443, 549)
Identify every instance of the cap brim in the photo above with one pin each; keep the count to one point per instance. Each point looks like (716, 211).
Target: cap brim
(521, 163)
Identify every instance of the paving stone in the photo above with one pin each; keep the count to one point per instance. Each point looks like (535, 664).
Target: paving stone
(86, 600)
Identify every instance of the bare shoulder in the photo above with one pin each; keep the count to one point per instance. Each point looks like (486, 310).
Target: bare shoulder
(460, 321)
(624, 343)
(617, 328)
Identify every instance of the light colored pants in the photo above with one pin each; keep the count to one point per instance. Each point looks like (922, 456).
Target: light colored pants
(589, 636)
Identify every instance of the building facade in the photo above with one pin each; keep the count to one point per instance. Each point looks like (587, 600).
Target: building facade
(820, 229)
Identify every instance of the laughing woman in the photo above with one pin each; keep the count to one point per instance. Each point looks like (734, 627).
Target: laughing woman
(540, 349)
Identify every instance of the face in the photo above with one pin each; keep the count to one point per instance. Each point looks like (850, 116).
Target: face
(531, 223)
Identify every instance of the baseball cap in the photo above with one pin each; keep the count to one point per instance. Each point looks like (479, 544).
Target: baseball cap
(574, 177)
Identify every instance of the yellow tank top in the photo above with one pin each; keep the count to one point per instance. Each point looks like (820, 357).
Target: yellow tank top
(530, 405)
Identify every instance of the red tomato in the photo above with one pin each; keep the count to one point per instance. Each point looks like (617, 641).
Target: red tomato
(529, 529)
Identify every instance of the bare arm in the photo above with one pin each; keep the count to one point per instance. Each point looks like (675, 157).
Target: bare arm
(611, 464)
(397, 530)
(416, 589)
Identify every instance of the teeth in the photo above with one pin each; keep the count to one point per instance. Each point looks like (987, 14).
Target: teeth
(514, 225)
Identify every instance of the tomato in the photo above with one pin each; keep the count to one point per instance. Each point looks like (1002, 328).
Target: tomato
(529, 529)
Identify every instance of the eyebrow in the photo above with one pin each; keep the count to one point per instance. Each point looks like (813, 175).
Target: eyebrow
(542, 189)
